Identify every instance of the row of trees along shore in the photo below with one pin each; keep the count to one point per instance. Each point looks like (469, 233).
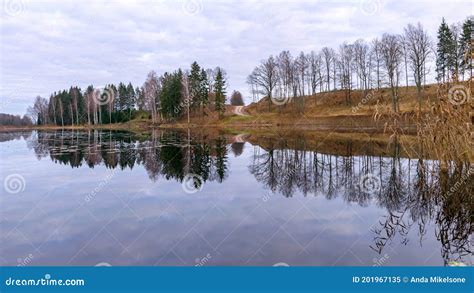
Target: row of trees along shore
(15, 120)
(364, 65)
(197, 92)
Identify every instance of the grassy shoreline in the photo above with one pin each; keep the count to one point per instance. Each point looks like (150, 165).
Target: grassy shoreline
(326, 111)
(352, 124)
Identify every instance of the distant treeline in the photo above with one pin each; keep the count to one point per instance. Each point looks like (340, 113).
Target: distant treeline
(382, 62)
(166, 97)
(15, 120)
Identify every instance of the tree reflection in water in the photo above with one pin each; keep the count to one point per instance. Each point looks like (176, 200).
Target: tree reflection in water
(166, 154)
(414, 191)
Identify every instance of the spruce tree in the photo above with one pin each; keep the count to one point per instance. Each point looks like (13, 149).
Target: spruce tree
(203, 90)
(465, 46)
(195, 85)
(219, 90)
(122, 97)
(131, 99)
(170, 96)
(446, 57)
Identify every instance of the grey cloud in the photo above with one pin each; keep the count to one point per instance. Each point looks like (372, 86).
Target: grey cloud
(50, 45)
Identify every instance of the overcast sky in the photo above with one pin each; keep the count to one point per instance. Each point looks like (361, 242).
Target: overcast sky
(50, 45)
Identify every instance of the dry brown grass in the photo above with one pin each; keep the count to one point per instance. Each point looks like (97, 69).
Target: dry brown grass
(334, 103)
(444, 126)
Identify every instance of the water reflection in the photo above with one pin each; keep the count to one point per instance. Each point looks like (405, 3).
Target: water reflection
(413, 193)
(168, 154)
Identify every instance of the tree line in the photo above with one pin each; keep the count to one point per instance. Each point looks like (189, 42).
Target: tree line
(364, 65)
(15, 120)
(167, 97)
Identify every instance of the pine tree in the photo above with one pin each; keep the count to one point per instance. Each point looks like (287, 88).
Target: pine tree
(170, 96)
(140, 95)
(446, 59)
(113, 96)
(194, 79)
(219, 89)
(122, 97)
(131, 99)
(203, 90)
(465, 46)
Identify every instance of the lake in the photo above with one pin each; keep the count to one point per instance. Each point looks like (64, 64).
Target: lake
(181, 199)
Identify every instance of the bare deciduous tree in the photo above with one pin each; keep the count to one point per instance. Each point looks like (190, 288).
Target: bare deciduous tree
(391, 51)
(328, 56)
(315, 62)
(362, 63)
(39, 111)
(377, 57)
(346, 53)
(265, 78)
(418, 46)
(301, 65)
(151, 89)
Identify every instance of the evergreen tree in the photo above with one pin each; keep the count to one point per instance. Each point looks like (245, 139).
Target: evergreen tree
(465, 46)
(219, 88)
(122, 97)
(140, 95)
(194, 79)
(221, 158)
(130, 102)
(170, 96)
(446, 59)
(204, 90)
(113, 92)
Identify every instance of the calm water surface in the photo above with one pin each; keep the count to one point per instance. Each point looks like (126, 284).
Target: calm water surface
(88, 198)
